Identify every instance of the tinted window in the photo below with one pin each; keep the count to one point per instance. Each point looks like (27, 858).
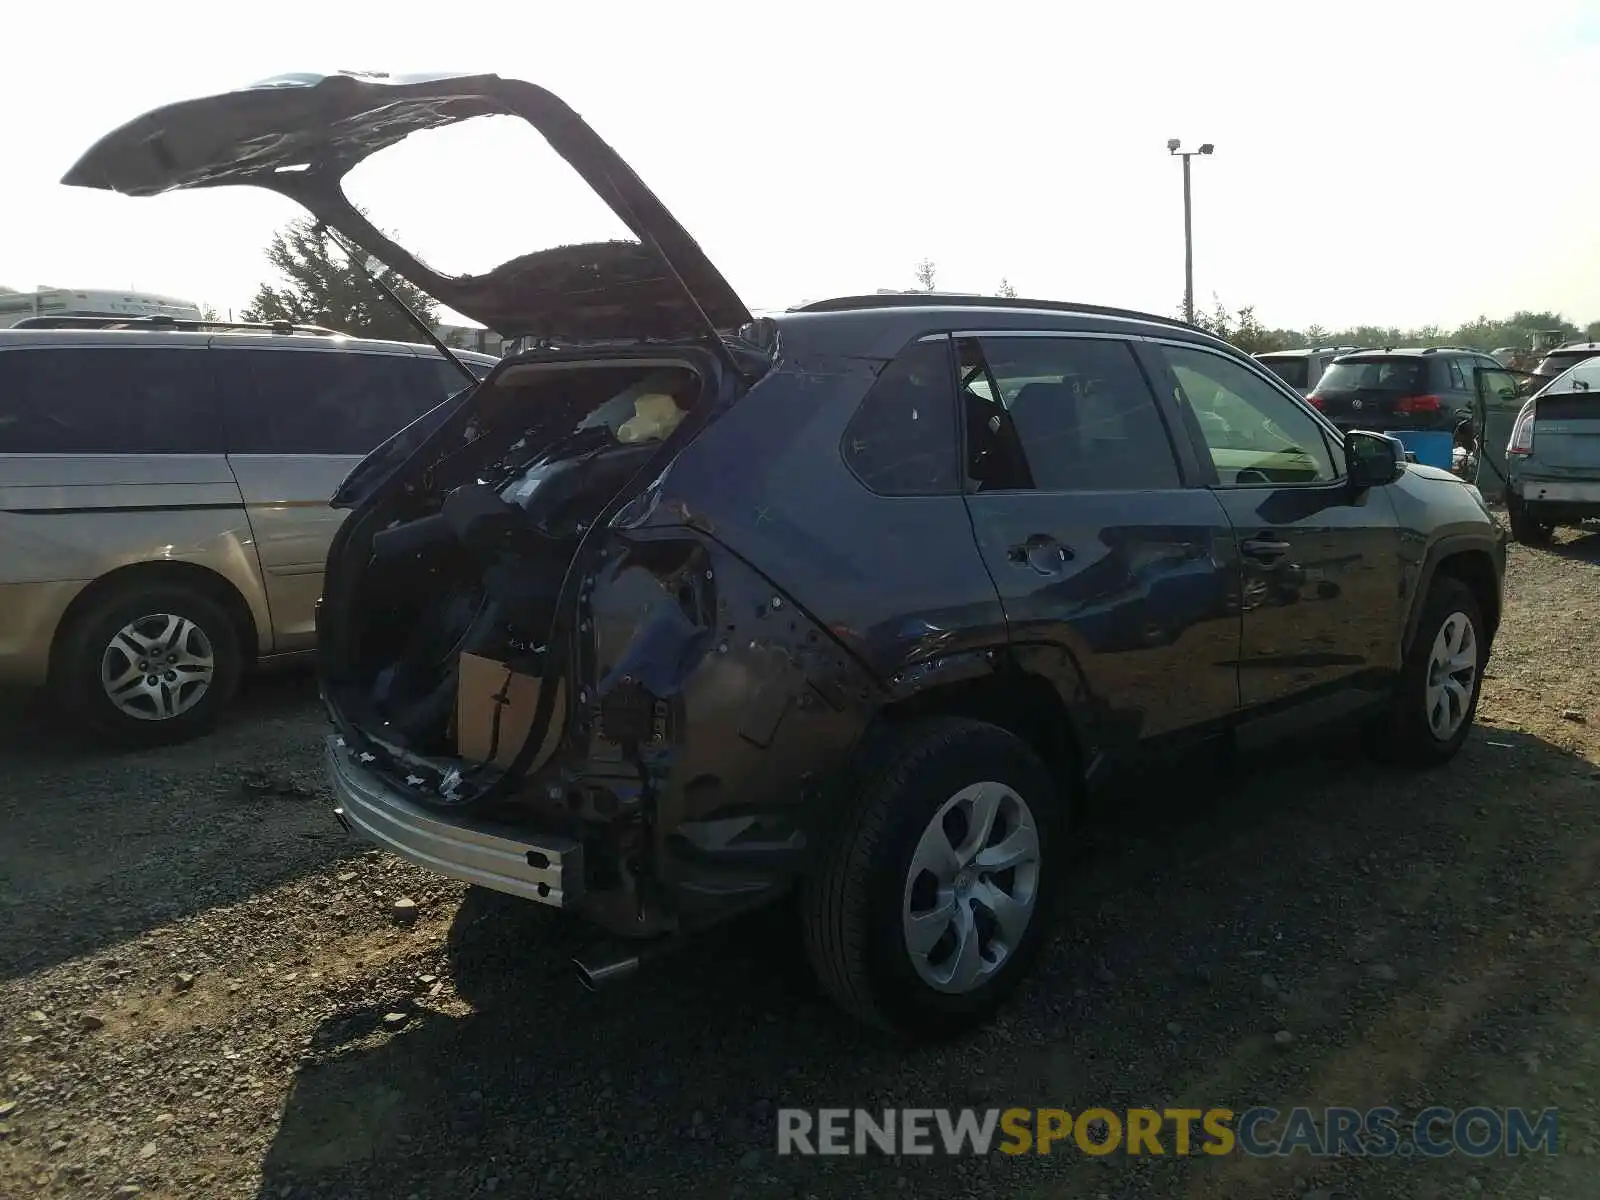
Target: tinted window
(323, 401)
(1295, 371)
(1255, 433)
(1554, 364)
(125, 400)
(902, 440)
(1403, 375)
(450, 380)
(1061, 414)
(1457, 371)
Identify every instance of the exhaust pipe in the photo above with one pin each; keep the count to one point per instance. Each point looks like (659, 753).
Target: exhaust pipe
(604, 965)
(595, 975)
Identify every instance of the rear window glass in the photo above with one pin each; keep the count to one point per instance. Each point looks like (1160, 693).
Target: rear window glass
(1296, 371)
(1403, 375)
(1554, 364)
(113, 400)
(1584, 378)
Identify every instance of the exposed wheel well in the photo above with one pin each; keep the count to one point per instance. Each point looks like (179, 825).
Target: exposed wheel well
(1475, 569)
(156, 574)
(1019, 701)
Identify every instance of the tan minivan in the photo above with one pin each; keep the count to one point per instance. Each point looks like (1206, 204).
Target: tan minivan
(164, 511)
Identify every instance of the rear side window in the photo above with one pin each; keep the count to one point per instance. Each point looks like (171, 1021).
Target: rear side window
(1295, 371)
(1402, 375)
(324, 401)
(902, 439)
(115, 400)
(1061, 414)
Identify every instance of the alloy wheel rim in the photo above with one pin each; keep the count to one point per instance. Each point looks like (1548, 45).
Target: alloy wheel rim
(157, 667)
(971, 888)
(1452, 676)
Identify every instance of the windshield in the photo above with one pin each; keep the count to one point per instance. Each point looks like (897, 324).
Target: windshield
(1293, 369)
(1404, 376)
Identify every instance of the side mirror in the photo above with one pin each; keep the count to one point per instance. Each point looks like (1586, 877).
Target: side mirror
(1372, 459)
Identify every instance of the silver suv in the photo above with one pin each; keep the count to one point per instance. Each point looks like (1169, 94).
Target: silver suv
(164, 512)
(1301, 369)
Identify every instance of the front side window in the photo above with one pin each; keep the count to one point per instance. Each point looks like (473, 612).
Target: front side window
(1056, 414)
(323, 401)
(1255, 434)
(902, 439)
(110, 400)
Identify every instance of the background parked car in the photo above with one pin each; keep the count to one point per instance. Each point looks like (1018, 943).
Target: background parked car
(1553, 456)
(1558, 360)
(1431, 388)
(164, 511)
(1302, 369)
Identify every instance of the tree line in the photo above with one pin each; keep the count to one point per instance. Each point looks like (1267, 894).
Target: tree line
(318, 285)
(1244, 330)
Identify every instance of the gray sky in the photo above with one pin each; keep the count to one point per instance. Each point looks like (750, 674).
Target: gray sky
(1405, 162)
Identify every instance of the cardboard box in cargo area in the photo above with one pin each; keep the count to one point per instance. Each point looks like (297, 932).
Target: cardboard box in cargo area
(485, 687)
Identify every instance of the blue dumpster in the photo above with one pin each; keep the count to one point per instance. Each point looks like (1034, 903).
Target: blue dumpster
(1432, 447)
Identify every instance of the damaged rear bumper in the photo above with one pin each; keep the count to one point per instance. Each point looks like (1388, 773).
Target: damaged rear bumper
(547, 869)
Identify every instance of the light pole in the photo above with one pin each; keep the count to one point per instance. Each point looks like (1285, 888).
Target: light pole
(1174, 146)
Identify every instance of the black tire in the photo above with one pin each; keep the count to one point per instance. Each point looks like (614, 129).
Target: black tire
(1525, 528)
(851, 909)
(1406, 736)
(77, 663)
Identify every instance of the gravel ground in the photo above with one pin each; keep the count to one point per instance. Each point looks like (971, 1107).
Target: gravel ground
(206, 990)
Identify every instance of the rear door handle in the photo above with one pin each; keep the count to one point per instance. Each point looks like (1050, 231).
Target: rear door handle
(1265, 548)
(1041, 552)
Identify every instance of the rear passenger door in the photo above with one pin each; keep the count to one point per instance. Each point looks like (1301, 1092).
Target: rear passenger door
(110, 454)
(1100, 545)
(1322, 582)
(298, 421)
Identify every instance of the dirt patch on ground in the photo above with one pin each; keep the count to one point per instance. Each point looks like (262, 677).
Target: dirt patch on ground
(206, 989)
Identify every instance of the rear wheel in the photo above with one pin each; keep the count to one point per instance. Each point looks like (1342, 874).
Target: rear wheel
(1436, 697)
(1525, 525)
(938, 892)
(148, 665)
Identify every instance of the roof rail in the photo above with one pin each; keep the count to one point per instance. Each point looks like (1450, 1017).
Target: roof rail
(183, 324)
(955, 300)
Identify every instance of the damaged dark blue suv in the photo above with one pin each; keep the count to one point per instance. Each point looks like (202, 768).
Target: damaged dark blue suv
(681, 611)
